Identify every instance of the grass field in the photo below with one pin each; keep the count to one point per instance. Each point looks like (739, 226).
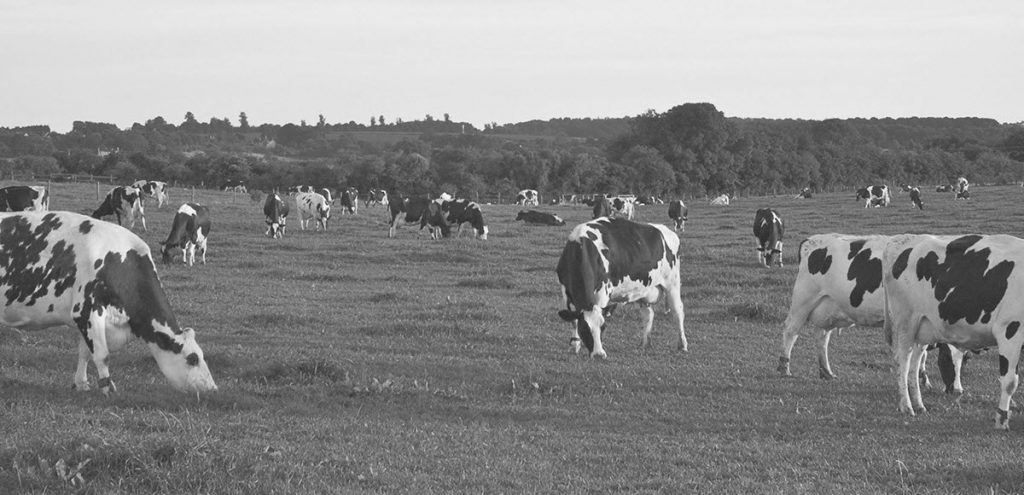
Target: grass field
(349, 362)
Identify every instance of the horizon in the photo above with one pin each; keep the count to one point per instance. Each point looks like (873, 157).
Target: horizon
(122, 63)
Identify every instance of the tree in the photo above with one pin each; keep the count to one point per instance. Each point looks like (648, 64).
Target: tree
(650, 173)
(373, 121)
(447, 118)
(243, 121)
(321, 122)
(381, 120)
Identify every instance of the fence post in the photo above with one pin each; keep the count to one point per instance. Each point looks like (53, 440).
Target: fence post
(97, 191)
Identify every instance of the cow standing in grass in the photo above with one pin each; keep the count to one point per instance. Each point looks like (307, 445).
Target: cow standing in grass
(677, 212)
(349, 199)
(409, 211)
(608, 261)
(313, 206)
(123, 201)
(276, 211)
(189, 231)
(153, 189)
(768, 230)
(62, 268)
(915, 198)
(874, 195)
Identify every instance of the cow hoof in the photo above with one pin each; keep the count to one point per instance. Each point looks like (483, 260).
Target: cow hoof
(906, 409)
(681, 347)
(921, 409)
(826, 375)
(599, 354)
(81, 387)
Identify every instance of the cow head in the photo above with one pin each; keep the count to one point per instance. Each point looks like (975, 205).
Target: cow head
(167, 252)
(583, 326)
(185, 370)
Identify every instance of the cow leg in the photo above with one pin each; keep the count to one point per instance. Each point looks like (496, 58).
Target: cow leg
(188, 255)
(82, 371)
(100, 352)
(675, 302)
(201, 245)
(574, 341)
(799, 311)
(760, 255)
(645, 334)
(902, 349)
(957, 356)
(594, 321)
(922, 371)
(915, 388)
(142, 218)
(824, 369)
(1009, 355)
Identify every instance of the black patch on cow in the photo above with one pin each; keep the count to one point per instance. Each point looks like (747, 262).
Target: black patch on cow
(964, 285)
(947, 369)
(22, 248)
(902, 261)
(1011, 329)
(49, 309)
(1004, 365)
(865, 272)
(192, 359)
(85, 227)
(819, 261)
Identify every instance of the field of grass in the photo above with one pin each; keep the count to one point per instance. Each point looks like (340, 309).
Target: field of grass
(350, 362)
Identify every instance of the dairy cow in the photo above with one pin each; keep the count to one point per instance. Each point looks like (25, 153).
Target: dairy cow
(874, 195)
(540, 217)
(349, 199)
(915, 198)
(62, 268)
(768, 230)
(276, 211)
(721, 200)
(22, 198)
(678, 212)
(602, 207)
(441, 215)
(623, 206)
(413, 210)
(312, 206)
(233, 186)
(614, 260)
(528, 197)
(376, 197)
(189, 232)
(152, 189)
(122, 201)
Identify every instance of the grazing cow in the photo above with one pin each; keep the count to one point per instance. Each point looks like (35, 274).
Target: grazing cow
(233, 186)
(961, 290)
(123, 201)
(614, 260)
(415, 210)
(376, 197)
(62, 268)
(678, 211)
(349, 200)
(944, 188)
(649, 200)
(528, 197)
(540, 217)
(722, 200)
(602, 207)
(276, 211)
(768, 230)
(805, 193)
(622, 206)
(441, 215)
(312, 206)
(915, 198)
(189, 231)
(839, 284)
(874, 195)
(153, 189)
(962, 185)
(22, 198)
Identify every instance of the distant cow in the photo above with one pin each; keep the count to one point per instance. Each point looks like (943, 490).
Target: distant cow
(915, 198)
(944, 188)
(377, 197)
(805, 193)
(233, 186)
(768, 230)
(276, 211)
(962, 290)
(349, 199)
(22, 198)
(189, 231)
(874, 195)
(602, 207)
(623, 206)
(528, 197)
(441, 215)
(413, 210)
(153, 189)
(722, 200)
(677, 211)
(326, 193)
(62, 268)
(312, 206)
(122, 201)
(540, 217)
(613, 260)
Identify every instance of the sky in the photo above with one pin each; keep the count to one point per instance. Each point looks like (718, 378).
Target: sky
(503, 61)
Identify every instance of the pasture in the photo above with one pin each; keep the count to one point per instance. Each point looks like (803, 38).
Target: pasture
(350, 362)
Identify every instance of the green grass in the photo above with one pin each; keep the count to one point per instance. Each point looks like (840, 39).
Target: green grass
(350, 362)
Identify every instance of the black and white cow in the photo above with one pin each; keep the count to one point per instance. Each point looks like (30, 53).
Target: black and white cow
(276, 211)
(839, 285)
(349, 200)
(768, 230)
(413, 210)
(602, 207)
(312, 206)
(874, 195)
(123, 201)
(326, 193)
(614, 260)
(153, 189)
(623, 206)
(63, 268)
(961, 189)
(528, 197)
(915, 198)
(677, 211)
(189, 231)
(376, 197)
(22, 198)
(960, 290)
(944, 188)
(805, 193)
(442, 215)
(540, 217)
(233, 186)
(720, 200)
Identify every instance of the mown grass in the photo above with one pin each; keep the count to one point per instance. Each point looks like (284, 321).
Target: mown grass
(350, 362)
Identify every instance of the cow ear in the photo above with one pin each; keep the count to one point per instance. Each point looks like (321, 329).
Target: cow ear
(567, 315)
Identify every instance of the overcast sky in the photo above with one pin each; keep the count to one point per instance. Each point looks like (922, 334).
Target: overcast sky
(505, 61)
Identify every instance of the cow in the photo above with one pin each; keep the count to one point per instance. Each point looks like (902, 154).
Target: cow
(442, 214)
(962, 185)
(310, 206)
(300, 189)
(768, 231)
(540, 217)
(153, 189)
(189, 231)
(614, 260)
(960, 290)
(962, 195)
(602, 207)
(276, 211)
(944, 188)
(915, 198)
(415, 209)
(349, 200)
(123, 201)
(805, 193)
(326, 193)
(376, 197)
(63, 268)
(677, 211)
(721, 200)
(528, 197)
(233, 186)
(623, 206)
(838, 285)
(23, 198)
(874, 195)
(902, 187)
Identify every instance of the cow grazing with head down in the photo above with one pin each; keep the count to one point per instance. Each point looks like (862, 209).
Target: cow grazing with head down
(441, 215)
(874, 195)
(960, 290)
(122, 201)
(768, 230)
(326, 193)
(613, 260)
(376, 197)
(312, 206)
(540, 218)
(62, 268)
(22, 198)
(276, 211)
(528, 197)
(413, 210)
(838, 285)
(349, 200)
(153, 189)
(915, 198)
(189, 231)
(677, 211)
